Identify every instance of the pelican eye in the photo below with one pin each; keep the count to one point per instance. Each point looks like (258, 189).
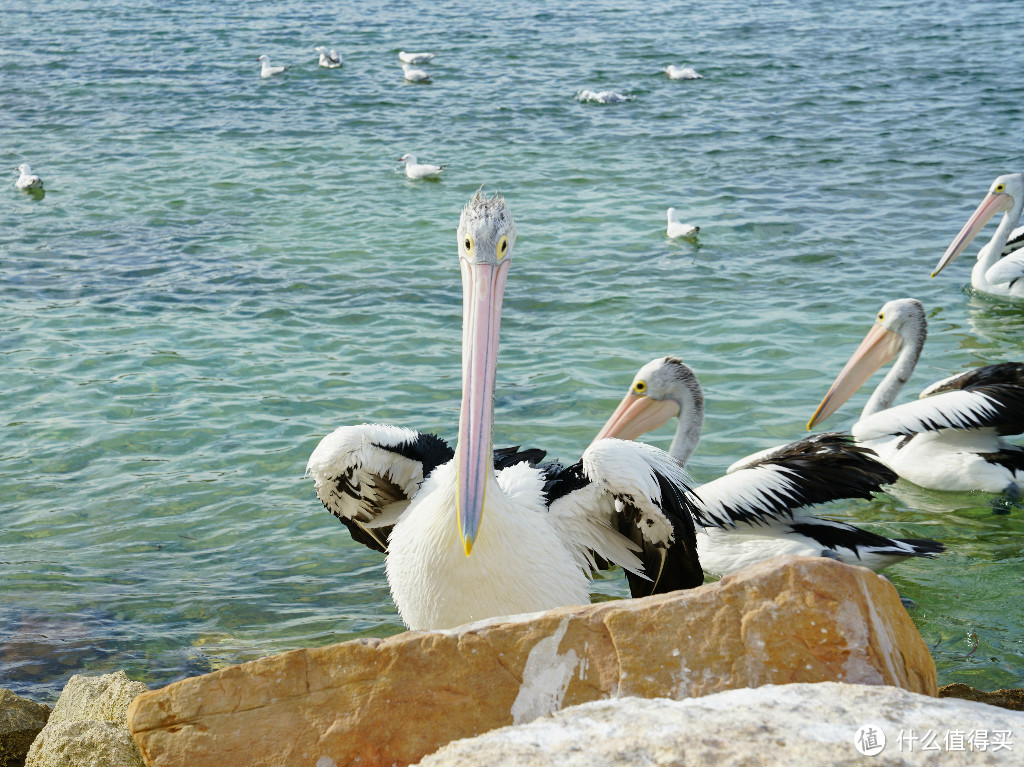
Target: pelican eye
(881, 316)
(639, 387)
(502, 247)
(999, 188)
(468, 242)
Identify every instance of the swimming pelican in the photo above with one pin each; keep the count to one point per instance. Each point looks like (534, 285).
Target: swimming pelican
(27, 181)
(677, 228)
(416, 170)
(1000, 264)
(952, 437)
(415, 58)
(682, 73)
(267, 70)
(329, 59)
(414, 75)
(766, 493)
(467, 542)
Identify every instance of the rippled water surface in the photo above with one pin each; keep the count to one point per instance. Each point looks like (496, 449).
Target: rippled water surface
(225, 268)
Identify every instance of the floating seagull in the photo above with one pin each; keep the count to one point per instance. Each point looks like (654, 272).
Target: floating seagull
(678, 229)
(414, 75)
(1000, 264)
(329, 59)
(267, 70)
(417, 170)
(472, 533)
(27, 181)
(818, 469)
(952, 437)
(682, 73)
(415, 58)
(603, 97)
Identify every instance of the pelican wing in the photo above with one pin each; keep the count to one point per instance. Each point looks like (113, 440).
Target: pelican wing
(1011, 373)
(626, 497)
(772, 484)
(365, 475)
(1014, 242)
(1009, 268)
(999, 407)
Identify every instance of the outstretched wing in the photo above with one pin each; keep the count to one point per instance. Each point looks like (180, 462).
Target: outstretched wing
(624, 497)
(989, 397)
(772, 484)
(366, 475)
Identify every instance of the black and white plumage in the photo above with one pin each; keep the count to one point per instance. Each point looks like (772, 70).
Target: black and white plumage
(1000, 265)
(952, 437)
(758, 509)
(677, 228)
(547, 527)
(329, 59)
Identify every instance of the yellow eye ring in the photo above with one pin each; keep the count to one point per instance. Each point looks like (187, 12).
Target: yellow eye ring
(502, 247)
(639, 387)
(881, 316)
(999, 188)
(468, 243)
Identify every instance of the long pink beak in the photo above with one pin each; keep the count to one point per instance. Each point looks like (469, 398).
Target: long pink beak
(878, 347)
(637, 415)
(992, 204)
(483, 287)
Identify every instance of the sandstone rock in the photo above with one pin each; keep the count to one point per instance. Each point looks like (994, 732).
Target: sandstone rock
(798, 724)
(97, 698)
(384, 702)
(20, 721)
(84, 744)
(87, 726)
(1012, 698)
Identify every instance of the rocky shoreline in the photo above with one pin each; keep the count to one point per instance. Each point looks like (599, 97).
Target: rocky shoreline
(783, 663)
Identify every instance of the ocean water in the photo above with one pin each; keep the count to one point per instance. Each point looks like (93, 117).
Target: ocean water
(224, 269)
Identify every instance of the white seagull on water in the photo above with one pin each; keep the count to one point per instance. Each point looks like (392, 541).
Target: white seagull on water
(603, 97)
(682, 73)
(267, 69)
(677, 228)
(415, 58)
(415, 170)
(27, 181)
(329, 59)
(414, 75)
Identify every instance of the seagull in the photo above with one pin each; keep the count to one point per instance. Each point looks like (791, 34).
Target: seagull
(268, 70)
(329, 59)
(678, 229)
(415, 58)
(602, 97)
(415, 170)
(414, 75)
(27, 181)
(682, 73)
(767, 493)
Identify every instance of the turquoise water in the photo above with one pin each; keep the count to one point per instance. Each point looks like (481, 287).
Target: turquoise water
(224, 268)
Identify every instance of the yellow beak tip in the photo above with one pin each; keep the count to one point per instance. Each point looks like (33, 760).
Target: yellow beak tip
(468, 544)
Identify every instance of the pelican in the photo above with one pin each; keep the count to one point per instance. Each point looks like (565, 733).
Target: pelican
(952, 437)
(676, 228)
(471, 533)
(329, 59)
(415, 58)
(765, 494)
(268, 70)
(682, 73)
(27, 181)
(417, 170)
(1000, 264)
(414, 75)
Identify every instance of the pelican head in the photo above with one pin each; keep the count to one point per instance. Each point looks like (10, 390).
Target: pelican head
(896, 321)
(486, 236)
(1005, 194)
(659, 392)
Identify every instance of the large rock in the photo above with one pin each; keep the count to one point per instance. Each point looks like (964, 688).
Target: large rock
(87, 726)
(798, 724)
(20, 721)
(384, 702)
